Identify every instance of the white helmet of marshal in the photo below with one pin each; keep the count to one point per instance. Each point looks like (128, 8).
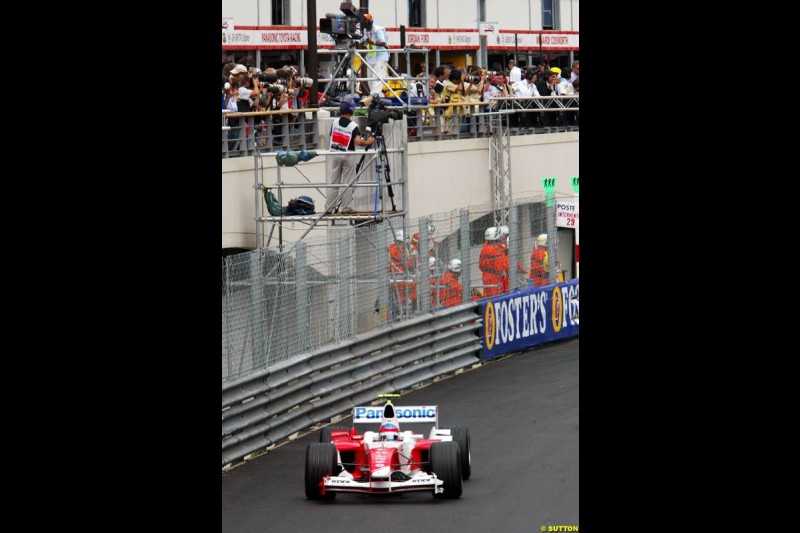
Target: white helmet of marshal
(454, 265)
(504, 231)
(491, 234)
(541, 239)
(432, 263)
(399, 235)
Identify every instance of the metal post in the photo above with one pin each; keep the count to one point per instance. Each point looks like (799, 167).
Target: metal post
(259, 204)
(549, 185)
(385, 290)
(513, 275)
(575, 187)
(313, 63)
(466, 281)
(303, 317)
(423, 285)
(256, 318)
(344, 272)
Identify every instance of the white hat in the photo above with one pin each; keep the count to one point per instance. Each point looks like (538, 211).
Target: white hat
(238, 69)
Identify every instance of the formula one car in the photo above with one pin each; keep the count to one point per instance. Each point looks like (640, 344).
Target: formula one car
(389, 460)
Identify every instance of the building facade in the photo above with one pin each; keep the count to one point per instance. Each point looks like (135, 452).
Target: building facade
(273, 33)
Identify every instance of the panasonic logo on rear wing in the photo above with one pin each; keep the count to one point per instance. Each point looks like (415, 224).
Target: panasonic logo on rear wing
(425, 413)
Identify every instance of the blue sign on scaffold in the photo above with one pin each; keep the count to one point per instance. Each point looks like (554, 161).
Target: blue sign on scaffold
(525, 318)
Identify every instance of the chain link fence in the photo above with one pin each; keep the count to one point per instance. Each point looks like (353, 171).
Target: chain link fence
(281, 302)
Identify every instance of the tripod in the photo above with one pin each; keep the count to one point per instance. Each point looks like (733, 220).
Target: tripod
(381, 164)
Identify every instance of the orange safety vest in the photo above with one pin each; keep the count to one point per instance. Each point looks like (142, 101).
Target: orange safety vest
(493, 263)
(400, 259)
(539, 266)
(401, 265)
(450, 290)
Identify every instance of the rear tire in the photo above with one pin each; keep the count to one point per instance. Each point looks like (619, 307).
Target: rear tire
(446, 464)
(320, 461)
(460, 435)
(325, 433)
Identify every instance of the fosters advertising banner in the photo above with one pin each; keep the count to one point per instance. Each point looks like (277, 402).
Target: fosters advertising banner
(522, 319)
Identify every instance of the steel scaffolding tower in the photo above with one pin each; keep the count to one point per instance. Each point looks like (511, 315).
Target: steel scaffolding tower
(500, 166)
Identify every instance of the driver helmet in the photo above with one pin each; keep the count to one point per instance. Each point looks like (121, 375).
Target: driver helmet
(389, 431)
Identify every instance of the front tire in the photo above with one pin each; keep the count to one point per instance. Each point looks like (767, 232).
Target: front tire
(446, 464)
(321, 460)
(460, 435)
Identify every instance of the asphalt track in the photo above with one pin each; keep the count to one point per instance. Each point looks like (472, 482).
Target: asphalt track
(522, 413)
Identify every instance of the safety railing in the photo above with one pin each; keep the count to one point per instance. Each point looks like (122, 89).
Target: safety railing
(268, 131)
(269, 407)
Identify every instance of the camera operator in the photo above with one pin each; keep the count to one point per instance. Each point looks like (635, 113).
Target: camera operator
(345, 135)
(378, 57)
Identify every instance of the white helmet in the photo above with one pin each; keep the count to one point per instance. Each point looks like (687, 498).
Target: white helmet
(399, 235)
(541, 239)
(432, 263)
(491, 234)
(454, 265)
(504, 231)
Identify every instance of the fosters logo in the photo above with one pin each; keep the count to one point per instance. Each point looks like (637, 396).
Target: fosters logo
(529, 315)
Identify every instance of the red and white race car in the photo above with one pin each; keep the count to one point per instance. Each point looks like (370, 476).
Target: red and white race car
(388, 460)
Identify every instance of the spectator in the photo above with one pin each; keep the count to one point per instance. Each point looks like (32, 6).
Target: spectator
(402, 265)
(235, 124)
(441, 73)
(496, 88)
(450, 288)
(344, 137)
(514, 72)
(473, 91)
(575, 73)
(429, 115)
(540, 268)
(378, 56)
(453, 94)
(493, 263)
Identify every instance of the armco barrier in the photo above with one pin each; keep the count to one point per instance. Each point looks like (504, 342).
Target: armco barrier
(270, 406)
(528, 317)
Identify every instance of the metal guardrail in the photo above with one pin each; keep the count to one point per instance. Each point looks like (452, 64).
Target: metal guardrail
(270, 406)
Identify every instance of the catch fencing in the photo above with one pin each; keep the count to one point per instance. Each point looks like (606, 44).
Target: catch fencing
(283, 302)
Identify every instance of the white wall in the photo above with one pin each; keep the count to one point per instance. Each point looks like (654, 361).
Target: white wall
(510, 14)
(442, 176)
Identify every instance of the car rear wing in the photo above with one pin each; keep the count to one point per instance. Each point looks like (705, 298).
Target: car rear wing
(423, 414)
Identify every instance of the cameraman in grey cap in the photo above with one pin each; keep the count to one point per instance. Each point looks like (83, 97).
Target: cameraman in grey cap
(344, 138)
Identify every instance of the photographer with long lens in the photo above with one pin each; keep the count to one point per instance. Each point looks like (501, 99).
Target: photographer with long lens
(344, 137)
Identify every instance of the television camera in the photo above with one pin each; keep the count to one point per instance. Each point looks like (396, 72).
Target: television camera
(378, 114)
(341, 27)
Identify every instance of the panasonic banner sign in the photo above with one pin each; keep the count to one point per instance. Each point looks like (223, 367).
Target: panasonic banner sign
(425, 413)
